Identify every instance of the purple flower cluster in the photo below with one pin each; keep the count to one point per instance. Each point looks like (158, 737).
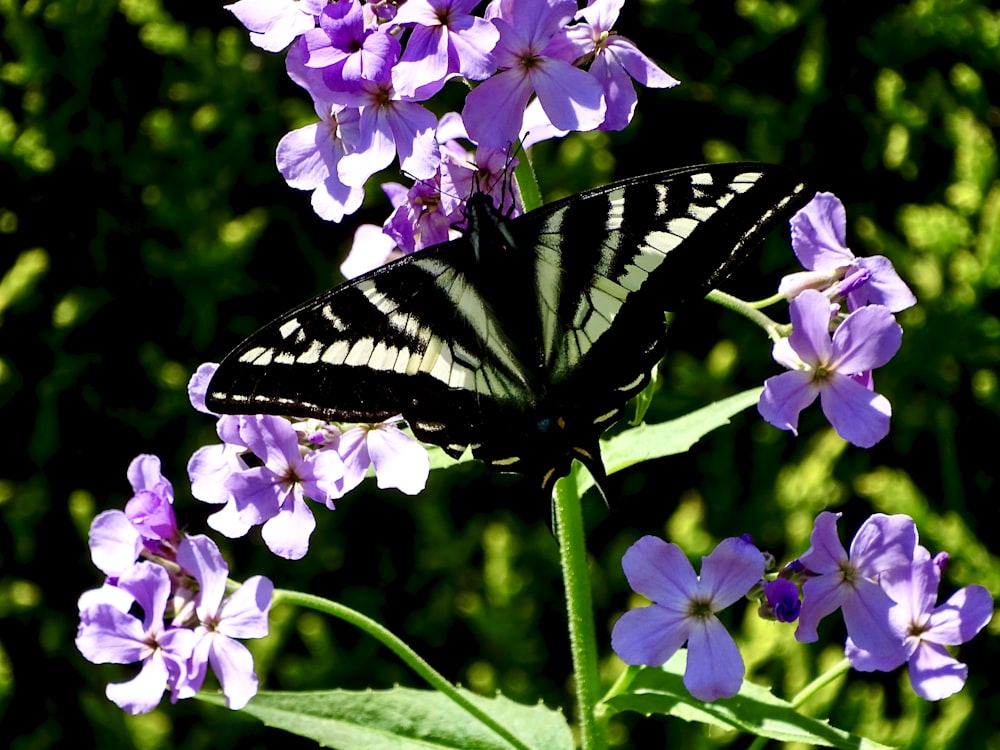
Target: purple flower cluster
(835, 368)
(886, 587)
(293, 462)
(164, 603)
(540, 68)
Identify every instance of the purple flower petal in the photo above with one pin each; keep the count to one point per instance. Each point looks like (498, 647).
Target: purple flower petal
(198, 385)
(287, 533)
(244, 613)
(819, 234)
(868, 338)
(859, 416)
(730, 571)
(960, 618)
(884, 542)
(649, 635)
(143, 692)
(714, 664)
(399, 460)
(784, 398)
(115, 543)
(233, 665)
(935, 674)
(660, 571)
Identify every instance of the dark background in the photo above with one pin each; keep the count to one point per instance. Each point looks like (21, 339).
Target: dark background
(144, 230)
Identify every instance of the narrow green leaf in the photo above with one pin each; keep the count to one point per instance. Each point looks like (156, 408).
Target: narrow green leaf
(404, 719)
(754, 710)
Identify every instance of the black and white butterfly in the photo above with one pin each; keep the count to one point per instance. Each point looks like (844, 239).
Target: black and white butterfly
(525, 338)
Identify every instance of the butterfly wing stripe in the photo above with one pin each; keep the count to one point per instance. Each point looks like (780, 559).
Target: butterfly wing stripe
(470, 305)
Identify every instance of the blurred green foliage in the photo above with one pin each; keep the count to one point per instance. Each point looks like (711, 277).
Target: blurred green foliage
(144, 229)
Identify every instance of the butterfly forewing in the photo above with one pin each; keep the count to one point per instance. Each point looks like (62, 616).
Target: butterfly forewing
(525, 340)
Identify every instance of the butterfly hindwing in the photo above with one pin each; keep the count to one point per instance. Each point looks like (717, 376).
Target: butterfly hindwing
(526, 339)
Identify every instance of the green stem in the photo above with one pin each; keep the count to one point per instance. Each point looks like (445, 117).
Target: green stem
(568, 514)
(388, 639)
(836, 671)
(773, 329)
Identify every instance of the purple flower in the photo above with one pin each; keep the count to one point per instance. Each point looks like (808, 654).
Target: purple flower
(446, 40)
(390, 123)
(818, 238)
(830, 368)
(399, 460)
(572, 98)
(924, 629)
(274, 494)
(108, 633)
(274, 24)
(684, 607)
(348, 49)
(849, 582)
(242, 615)
(616, 61)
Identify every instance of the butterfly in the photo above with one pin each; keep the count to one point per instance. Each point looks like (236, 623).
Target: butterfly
(525, 338)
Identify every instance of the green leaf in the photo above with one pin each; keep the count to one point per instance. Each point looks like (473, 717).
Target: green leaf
(403, 719)
(754, 710)
(650, 441)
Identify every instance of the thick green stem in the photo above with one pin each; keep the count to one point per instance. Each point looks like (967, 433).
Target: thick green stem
(568, 515)
(388, 639)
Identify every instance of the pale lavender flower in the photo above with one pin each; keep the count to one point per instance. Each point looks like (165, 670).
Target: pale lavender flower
(819, 240)
(924, 629)
(108, 633)
(399, 460)
(849, 582)
(571, 98)
(446, 40)
(221, 621)
(830, 369)
(274, 494)
(308, 158)
(390, 124)
(274, 24)
(616, 61)
(348, 48)
(683, 610)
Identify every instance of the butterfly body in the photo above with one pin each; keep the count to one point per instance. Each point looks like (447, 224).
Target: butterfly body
(525, 338)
